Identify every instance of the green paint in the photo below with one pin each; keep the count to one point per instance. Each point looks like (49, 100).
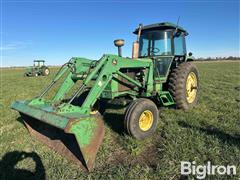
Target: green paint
(84, 131)
(65, 87)
(37, 101)
(38, 113)
(166, 98)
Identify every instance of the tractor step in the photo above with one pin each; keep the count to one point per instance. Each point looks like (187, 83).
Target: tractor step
(166, 98)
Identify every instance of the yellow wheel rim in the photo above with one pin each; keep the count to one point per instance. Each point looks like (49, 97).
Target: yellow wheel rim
(46, 71)
(146, 120)
(191, 87)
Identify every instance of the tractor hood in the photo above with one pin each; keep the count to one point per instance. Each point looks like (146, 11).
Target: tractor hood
(29, 69)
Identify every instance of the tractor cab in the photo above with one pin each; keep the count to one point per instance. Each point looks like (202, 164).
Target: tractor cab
(162, 42)
(38, 63)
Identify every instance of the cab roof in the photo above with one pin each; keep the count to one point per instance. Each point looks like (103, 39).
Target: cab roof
(38, 61)
(161, 26)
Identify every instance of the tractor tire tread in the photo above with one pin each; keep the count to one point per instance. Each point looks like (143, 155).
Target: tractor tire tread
(133, 112)
(177, 84)
(128, 113)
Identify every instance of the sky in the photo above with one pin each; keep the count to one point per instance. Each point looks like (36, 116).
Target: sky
(58, 30)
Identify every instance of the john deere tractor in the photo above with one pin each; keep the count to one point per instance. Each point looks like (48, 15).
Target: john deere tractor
(160, 73)
(38, 69)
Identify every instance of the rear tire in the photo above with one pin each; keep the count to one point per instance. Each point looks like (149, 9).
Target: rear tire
(45, 71)
(141, 118)
(184, 85)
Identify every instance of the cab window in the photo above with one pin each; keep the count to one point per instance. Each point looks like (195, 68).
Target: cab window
(155, 43)
(179, 45)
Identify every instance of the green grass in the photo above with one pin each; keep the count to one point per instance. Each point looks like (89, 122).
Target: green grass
(209, 132)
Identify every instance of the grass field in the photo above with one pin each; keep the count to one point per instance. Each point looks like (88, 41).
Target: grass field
(210, 132)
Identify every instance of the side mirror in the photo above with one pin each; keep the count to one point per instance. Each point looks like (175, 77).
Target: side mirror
(190, 54)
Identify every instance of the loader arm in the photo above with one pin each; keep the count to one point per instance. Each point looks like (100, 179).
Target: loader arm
(83, 65)
(99, 73)
(78, 68)
(111, 68)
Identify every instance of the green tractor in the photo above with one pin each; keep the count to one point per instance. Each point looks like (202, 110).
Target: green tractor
(160, 73)
(38, 69)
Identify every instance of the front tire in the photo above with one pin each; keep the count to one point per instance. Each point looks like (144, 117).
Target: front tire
(141, 118)
(184, 85)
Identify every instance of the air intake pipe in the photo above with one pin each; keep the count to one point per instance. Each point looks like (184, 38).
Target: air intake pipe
(119, 43)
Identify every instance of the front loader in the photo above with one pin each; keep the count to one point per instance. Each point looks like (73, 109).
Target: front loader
(158, 74)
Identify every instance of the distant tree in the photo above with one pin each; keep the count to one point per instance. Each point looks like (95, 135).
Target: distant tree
(218, 58)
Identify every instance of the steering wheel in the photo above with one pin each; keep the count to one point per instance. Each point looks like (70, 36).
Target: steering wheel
(154, 50)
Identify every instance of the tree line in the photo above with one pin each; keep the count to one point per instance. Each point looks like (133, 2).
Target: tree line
(218, 58)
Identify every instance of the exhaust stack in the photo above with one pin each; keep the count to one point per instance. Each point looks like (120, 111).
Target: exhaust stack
(135, 49)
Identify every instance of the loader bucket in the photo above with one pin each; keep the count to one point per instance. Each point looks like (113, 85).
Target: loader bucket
(78, 139)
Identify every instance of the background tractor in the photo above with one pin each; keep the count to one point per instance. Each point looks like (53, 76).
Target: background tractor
(158, 74)
(38, 69)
